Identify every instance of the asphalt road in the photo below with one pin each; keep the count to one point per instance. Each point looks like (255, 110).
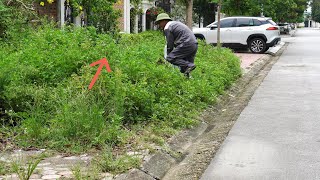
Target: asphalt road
(277, 136)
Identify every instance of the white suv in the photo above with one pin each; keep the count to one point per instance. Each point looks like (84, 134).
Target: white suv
(256, 33)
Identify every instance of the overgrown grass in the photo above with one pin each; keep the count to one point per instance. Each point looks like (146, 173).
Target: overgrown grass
(22, 166)
(5, 168)
(24, 173)
(107, 162)
(44, 81)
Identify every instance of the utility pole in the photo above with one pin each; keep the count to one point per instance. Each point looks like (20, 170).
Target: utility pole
(219, 16)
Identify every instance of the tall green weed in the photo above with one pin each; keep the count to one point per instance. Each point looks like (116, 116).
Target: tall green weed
(45, 82)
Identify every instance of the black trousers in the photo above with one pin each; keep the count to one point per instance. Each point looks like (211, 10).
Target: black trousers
(183, 56)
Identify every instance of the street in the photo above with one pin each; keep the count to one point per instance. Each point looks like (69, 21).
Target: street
(277, 135)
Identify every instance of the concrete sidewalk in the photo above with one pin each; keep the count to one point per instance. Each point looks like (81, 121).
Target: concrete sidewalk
(277, 134)
(248, 59)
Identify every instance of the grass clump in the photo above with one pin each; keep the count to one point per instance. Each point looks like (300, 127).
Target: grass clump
(5, 168)
(24, 173)
(107, 162)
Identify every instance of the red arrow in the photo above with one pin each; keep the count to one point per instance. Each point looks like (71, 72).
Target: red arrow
(102, 62)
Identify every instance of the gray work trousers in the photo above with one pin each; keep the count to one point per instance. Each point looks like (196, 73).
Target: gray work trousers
(183, 56)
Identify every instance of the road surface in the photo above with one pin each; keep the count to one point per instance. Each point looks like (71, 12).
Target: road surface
(277, 136)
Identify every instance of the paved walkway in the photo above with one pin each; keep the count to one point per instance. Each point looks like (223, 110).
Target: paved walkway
(56, 167)
(277, 135)
(247, 59)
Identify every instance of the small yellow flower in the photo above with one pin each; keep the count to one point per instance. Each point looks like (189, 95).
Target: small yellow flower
(50, 1)
(41, 3)
(81, 8)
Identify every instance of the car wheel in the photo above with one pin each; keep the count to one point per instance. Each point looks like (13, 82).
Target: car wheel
(257, 45)
(199, 36)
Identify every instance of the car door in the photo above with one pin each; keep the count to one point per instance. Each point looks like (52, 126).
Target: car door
(243, 29)
(212, 33)
(225, 31)
(227, 27)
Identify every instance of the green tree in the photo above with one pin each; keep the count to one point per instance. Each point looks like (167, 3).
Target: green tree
(287, 10)
(204, 9)
(279, 10)
(189, 11)
(100, 13)
(241, 7)
(15, 15)
(315, 13)
(301, 7)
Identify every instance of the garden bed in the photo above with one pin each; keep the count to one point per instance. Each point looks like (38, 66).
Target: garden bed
(46, 102)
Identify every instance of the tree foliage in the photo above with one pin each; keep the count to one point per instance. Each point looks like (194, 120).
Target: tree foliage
(279, 10)
(315, 10)
(204, 9)
(14, 15)
(240, 7)
(286, 10)
(100, 13)
(189, 11)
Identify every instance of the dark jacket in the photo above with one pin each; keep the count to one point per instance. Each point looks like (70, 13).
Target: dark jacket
(178, 33)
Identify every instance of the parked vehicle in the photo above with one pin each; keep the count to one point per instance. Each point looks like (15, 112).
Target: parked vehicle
(285, 28)
(293, 26)
(255, 33)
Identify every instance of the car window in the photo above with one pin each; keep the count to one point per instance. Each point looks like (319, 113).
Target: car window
(225, 23)
(256, 22)
(271, 22)
(268, 21)
(211, 24)
(244, 22)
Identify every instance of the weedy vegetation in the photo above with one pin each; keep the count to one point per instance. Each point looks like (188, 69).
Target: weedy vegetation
(22, 166)
(45, 101)
(5, 168)
(24, 173)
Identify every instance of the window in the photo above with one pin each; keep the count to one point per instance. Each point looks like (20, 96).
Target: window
(271, 22)
(268, 21)
(244, 22)
(225, 23)
(256, 22)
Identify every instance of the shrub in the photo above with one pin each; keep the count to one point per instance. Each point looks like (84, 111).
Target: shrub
(99, 13)
(4, 19)
(45, 82)
(14, 17)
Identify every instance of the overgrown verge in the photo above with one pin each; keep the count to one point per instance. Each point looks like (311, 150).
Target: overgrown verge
(44, 81)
